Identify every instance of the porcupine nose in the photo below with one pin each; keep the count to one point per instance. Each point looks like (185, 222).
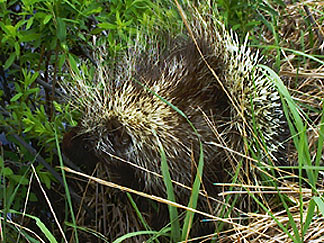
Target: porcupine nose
(117, 136)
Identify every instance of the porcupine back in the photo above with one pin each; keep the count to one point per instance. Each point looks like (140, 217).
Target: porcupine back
(125, 114)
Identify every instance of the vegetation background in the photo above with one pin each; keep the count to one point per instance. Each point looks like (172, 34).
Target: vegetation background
(41, 40)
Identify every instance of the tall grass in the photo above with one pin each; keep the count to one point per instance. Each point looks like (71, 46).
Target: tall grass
(296, 205)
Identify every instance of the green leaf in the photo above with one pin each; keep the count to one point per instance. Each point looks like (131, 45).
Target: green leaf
(320, 204)
(9, 29)
(16, 97)
(92, 11)
(19, 179)
(60, 29)
(107, 26)
(32, 91)
(33, 78)
(310, 215)
(27, 129)
(57, 106)
(9, 61)
(73, 64)
(29, 22)
(65, 47)
(96, 31)
(129, 235)
(40, 128)
(47, 19)
(61, 61)
(45, 179)
(29, 37)
(28, 121)
(7, 171)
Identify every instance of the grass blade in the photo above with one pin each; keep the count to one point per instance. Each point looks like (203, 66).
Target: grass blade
(174, 218)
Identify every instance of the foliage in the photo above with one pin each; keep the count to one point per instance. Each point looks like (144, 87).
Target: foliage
(36, 37)
(41, 40)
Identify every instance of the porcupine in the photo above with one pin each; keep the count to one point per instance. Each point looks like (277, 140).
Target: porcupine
(209, 77)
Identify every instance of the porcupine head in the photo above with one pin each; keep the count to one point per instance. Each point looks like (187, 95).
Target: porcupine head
(203, 87)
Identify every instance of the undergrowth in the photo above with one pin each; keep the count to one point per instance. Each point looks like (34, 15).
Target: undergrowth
(42, 40)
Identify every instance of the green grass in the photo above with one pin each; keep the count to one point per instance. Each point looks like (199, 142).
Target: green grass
(39, 116)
